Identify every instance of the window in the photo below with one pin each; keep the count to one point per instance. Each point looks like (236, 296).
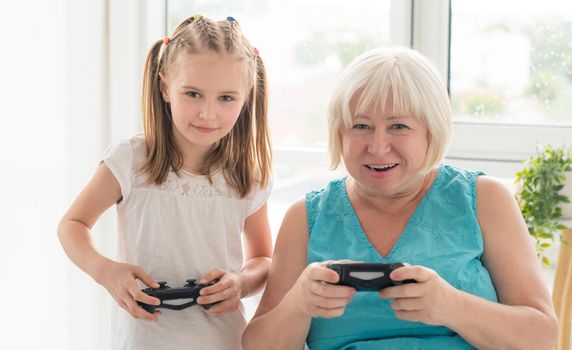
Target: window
(511, 62)
(510, 80)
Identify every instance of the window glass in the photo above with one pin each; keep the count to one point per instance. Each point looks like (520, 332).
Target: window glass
(511, 61)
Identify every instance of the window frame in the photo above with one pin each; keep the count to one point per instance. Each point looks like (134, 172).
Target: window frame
(503, 146)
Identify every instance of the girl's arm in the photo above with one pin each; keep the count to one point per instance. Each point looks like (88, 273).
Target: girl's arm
(252, 276)
(99, 194)
(294, 292)
(523, 318)
(258, 252)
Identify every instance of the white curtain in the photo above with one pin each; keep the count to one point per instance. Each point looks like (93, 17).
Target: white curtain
(70, 85)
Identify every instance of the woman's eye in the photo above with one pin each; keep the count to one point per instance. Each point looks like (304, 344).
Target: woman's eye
(399, 126)
(193, 94)
(360, 126)
(226, 98)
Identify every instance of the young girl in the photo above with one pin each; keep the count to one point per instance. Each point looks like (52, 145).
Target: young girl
(185, 191)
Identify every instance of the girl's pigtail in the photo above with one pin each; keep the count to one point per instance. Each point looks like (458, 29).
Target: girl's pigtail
(149, 91)
(230, 34)
(161, 151)
(263, 145)
(208, 33)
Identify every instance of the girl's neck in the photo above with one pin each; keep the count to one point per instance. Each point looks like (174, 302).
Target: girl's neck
(193, 155)
(193, 159)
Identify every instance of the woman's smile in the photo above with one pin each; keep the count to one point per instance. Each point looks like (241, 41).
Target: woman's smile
(381, 171)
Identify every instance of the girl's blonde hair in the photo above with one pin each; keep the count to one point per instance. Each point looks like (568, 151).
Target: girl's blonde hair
(397, 79)
(244, 154)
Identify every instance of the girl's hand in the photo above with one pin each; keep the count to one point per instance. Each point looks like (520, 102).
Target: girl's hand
(227, 291)
(120, 281)
(317, 296)
(429, 300)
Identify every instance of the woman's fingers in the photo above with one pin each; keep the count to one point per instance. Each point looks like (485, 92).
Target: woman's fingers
(331, 290)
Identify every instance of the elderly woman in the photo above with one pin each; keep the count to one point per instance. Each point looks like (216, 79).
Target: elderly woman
(478, 281)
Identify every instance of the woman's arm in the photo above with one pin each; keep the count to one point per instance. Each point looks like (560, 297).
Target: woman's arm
(278, 322)
(295, 292)
(525, 317)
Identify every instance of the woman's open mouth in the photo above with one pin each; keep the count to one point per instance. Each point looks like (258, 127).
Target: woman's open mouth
(381, 168)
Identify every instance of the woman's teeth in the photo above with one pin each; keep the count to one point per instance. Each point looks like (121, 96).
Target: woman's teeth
(381, 167)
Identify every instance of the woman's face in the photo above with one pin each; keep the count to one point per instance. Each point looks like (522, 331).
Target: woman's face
(385, 152)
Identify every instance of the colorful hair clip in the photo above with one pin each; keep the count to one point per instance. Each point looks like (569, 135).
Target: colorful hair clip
(197, 17)
(166, 41)
(255, 51)
(230, 19)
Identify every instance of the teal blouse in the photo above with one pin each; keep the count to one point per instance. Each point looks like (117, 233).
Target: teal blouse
(442, 234)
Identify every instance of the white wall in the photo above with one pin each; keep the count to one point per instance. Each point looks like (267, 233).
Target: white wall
(32, 174)
(58, 112)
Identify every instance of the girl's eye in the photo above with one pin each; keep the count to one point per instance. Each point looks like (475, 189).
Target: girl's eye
(360, 126)
(226, 98)
(193, 94)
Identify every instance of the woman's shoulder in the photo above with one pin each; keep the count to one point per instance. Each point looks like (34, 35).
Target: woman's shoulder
(453, 171)
(328, 199)
(332, 187)
(493, 190)
(483, 182)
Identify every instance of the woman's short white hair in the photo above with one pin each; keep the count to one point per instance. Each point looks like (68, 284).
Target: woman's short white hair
(398, 79)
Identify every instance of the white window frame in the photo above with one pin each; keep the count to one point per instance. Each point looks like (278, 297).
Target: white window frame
(498, 148)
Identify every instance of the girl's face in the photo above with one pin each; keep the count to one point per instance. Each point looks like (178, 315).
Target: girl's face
(385, 152)
(206, 93)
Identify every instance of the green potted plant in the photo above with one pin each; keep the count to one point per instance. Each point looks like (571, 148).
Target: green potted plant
(546, 183)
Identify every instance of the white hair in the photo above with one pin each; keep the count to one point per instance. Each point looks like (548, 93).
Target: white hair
(398, 79)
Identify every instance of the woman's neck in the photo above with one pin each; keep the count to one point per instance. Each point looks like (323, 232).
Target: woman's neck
(399, 204)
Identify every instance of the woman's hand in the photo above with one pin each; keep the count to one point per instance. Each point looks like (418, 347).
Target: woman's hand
(317, 295)
(120, 281)
(430, 300)
(227, 291)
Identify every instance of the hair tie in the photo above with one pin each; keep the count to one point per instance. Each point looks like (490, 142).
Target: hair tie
(197, 17)
(230, 19)
(166, 41)
(255, 51)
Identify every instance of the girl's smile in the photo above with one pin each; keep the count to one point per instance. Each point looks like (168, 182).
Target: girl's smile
(204, 129)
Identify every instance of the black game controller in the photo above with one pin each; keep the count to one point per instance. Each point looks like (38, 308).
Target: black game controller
(191, 290)
(367, 276)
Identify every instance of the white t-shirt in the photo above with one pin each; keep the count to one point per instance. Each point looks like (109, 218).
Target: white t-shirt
(179, 230)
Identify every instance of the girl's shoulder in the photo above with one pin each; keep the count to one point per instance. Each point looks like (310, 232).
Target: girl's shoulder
(132, 148)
